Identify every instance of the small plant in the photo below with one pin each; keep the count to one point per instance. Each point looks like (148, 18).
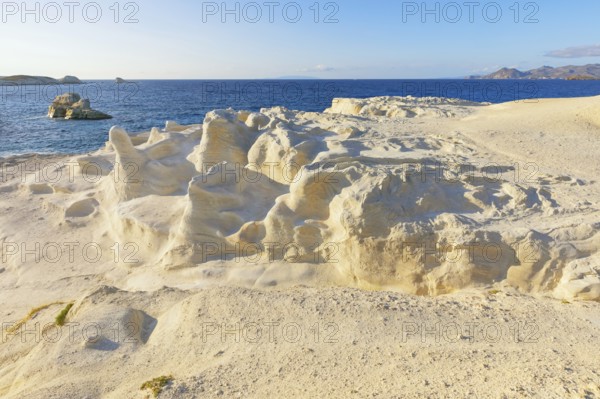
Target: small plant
(157, 384)
(60, 319)
(493, 292)
(32, 313)
(565, 302)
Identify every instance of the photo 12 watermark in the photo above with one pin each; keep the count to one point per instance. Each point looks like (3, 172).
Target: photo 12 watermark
(470, 332)
(54, 172)
(489, 253)
(265, 252)
(269, 332)
(253, 173)
(47, 93)
(90, 333)
(470, 12)
(72, 252)
(68, 12)
(270, 12)
(474, 90)
(450, 173)
(267, 92)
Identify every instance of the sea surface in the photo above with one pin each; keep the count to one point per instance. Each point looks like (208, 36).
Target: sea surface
(140, 105)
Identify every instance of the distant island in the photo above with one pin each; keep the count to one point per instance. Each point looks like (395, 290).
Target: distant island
(37, 80)
(569, 72)
(294, 77)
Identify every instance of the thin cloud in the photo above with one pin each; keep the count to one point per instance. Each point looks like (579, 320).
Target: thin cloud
(576, 52)
(318, 68)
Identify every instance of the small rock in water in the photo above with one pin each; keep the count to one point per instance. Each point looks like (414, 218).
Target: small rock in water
(72, 106)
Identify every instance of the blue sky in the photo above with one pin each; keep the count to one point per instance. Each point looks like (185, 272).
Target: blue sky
(371, 39)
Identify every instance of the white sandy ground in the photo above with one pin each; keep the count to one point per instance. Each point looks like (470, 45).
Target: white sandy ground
(302, 280)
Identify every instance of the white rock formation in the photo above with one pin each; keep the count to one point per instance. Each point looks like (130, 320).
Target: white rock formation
(401, 107)
(227, 254)
(374, 202)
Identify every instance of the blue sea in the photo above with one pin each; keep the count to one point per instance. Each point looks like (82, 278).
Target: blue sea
(141, 105)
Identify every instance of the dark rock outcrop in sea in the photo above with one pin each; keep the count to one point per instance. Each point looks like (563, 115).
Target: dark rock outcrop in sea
(72, 106)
